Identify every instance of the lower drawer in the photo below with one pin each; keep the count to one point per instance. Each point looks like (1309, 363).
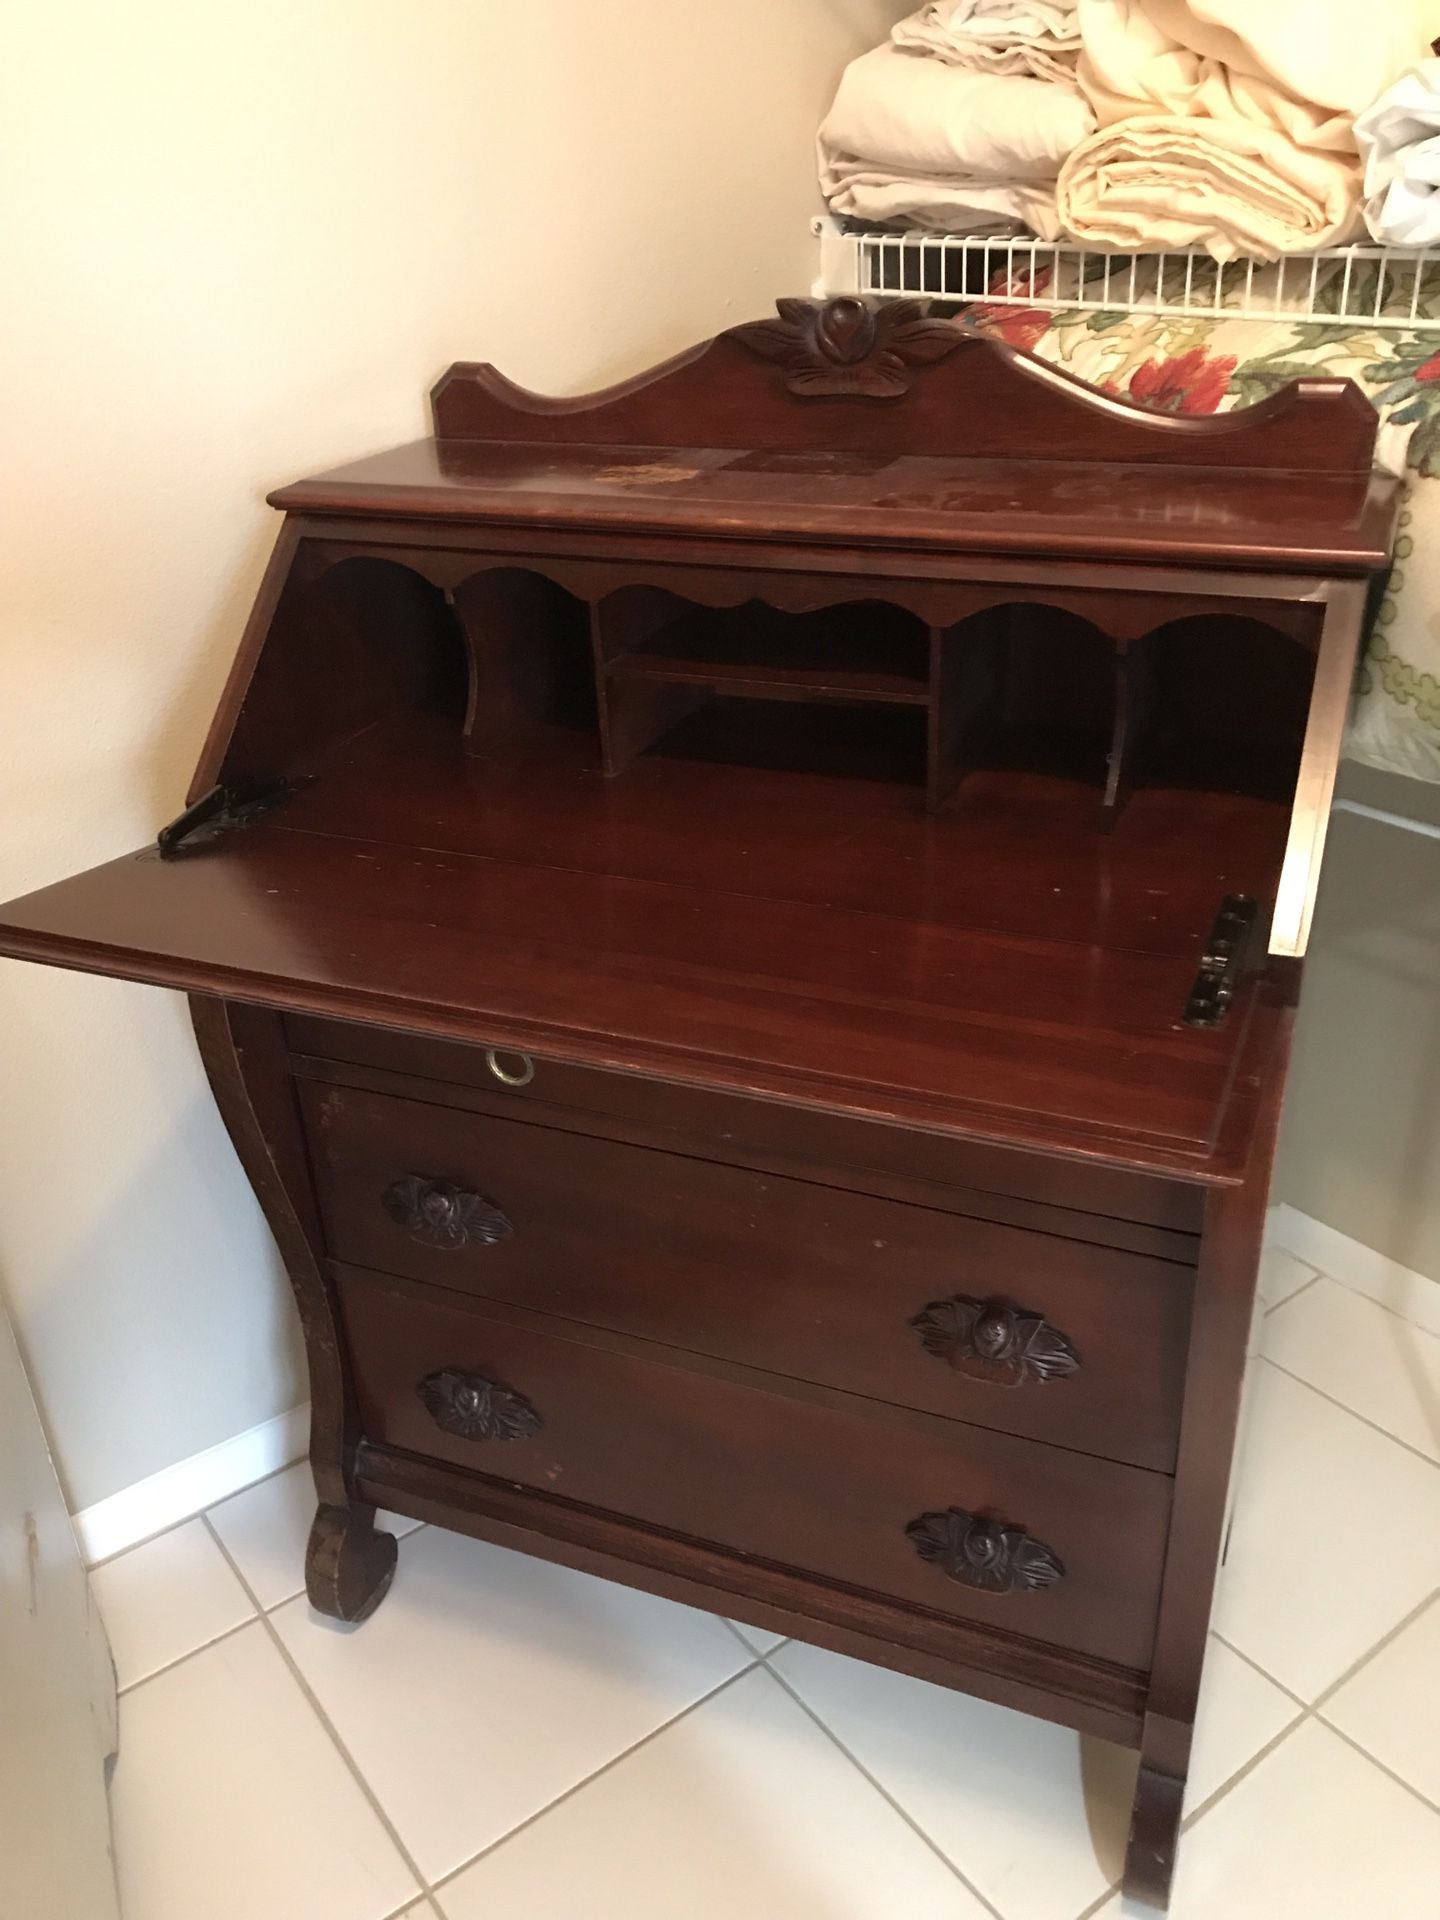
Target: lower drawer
(1016, 1536)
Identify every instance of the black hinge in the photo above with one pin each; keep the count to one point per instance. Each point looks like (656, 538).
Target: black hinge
(1226, 952)
(220, 810)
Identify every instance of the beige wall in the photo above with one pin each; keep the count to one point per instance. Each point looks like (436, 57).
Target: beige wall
(1360, 1146)
(242, 239)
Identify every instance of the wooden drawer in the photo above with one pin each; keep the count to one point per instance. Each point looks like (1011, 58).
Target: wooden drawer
(843, 1497)
(768, 1127)
(806, 1281)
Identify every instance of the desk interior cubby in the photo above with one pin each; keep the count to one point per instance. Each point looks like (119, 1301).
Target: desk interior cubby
(513, 664)
(862, 753)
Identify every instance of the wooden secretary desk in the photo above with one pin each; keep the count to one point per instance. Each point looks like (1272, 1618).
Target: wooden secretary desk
(745, 930)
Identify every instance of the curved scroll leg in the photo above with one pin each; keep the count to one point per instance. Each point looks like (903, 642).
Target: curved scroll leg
(349, 1564)
(1154, 1835)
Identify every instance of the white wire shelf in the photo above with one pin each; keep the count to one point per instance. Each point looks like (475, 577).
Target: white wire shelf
(1389, 288)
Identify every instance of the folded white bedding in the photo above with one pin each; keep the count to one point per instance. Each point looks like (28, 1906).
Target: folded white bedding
(1038, 38)
(1339, 54)
(1399, 141)
(1131, 63)
(910, 137)
(1230, 187)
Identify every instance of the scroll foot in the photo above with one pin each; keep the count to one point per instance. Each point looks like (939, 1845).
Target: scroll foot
(349, 1564)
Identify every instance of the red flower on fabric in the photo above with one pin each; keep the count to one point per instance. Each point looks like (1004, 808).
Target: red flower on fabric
(1430, 372)
(1193, 382)
(1016, 326)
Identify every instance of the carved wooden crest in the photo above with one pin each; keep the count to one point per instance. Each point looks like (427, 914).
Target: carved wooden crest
(441, 1214)
(990, 1340)
(984, 1554)
(845, 347)
(475, 1408)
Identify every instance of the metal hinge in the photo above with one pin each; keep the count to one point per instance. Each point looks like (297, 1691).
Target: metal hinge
(220, 810)
(1226, 951)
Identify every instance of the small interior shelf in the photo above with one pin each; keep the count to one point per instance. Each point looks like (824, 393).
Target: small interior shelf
(859, 690)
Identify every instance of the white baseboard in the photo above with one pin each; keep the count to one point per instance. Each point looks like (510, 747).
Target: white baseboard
(1354, 1265)
(177, 1493)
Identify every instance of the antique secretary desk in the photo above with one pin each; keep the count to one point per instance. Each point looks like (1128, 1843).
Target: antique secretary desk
(745, 930)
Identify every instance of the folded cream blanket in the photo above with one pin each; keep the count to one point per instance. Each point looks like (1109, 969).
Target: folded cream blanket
(1038, 38)
(1399, 141)
(1340, 54)
(946, 146)
(1230, 187)
(1304, 67)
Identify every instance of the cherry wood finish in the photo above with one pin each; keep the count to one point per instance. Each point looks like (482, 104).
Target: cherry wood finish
(806, 1281)
(763, 1474)
(693, 907)
(1084, 1200)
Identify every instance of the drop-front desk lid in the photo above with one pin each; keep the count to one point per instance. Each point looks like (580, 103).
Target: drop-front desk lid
(1002, 970)
(1028, 987)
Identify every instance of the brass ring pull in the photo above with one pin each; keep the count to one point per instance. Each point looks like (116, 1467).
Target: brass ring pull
(521, 1079)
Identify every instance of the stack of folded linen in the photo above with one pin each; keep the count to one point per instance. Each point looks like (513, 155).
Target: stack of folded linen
(962, 121)
(1229, 125)
(1036, 38)
(1400, 143)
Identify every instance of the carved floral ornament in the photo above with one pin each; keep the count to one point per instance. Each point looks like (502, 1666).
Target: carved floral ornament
(476, 1408)
(985, 1554)
(845, 347)
(991, 1340)
(441, 1214)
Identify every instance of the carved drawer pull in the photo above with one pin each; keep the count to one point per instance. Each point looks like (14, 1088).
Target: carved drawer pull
(444, 1215)
(511, 1077)
(985, 1554)
(990, 1340)
(475, 1408)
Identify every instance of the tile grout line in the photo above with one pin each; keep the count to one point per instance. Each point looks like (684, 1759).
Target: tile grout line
(120, 1553)
(1264, 1672)
(1224, 1791)
(1327, 1694)
(368, 1792)
(448, 1879)
(94, 1566)
(1389, 1772)
(1329, 1398)
(1384, 1306)
(134, 1686)
(1315, 1277)
(884, 1794)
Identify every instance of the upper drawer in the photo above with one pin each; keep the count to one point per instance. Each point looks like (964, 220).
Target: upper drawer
(1029, 1333)
(729, 1125)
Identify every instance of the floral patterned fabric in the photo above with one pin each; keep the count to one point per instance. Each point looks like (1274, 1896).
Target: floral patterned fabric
(1210, 362)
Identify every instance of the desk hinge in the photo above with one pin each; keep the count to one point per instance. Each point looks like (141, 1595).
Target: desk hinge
(220, 810)
(1227, 950)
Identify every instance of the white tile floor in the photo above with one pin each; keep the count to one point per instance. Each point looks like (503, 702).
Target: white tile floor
(506, 1736)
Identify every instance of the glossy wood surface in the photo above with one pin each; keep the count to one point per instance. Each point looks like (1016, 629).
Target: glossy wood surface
(604, 733)
(1079, 1199)
(1301, 520)
(1065, 1046)
(961, 390)
(761, 1474)
(789, 1276)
